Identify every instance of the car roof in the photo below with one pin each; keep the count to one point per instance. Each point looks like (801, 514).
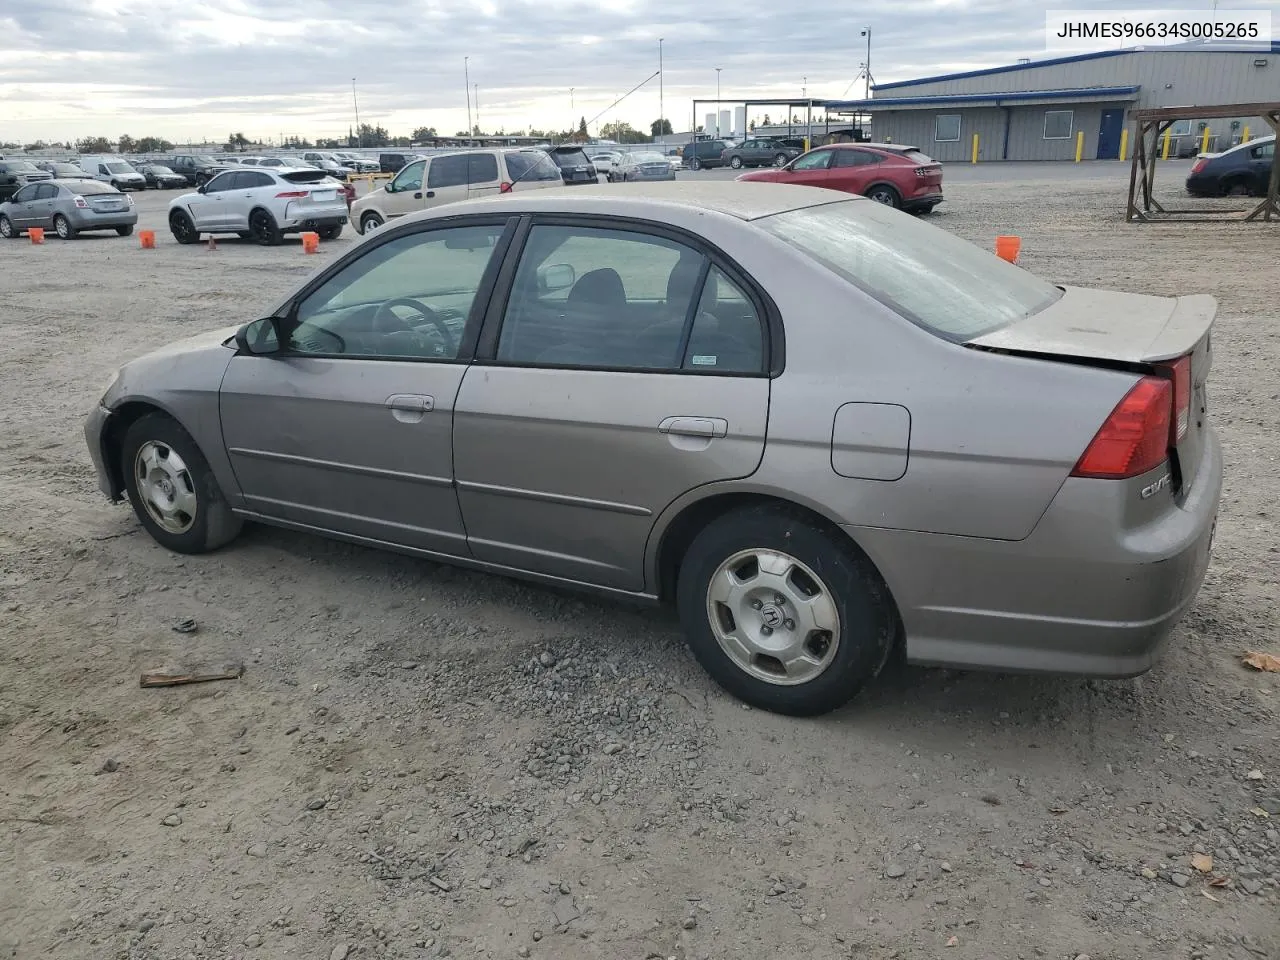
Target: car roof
(743, 201)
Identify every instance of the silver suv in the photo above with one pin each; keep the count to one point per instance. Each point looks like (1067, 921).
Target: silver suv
(261, 204)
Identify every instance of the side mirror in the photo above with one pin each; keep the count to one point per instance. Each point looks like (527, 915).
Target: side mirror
(259, 338)
(555, 277)
(200, 189)
(389, 186)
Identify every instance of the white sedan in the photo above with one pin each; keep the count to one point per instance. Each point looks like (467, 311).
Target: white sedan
(606, 163)
(261, 204)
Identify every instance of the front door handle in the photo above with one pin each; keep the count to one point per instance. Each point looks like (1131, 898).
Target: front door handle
(707, 427)
(410, 407)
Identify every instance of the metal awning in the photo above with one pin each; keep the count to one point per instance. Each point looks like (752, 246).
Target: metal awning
(1009, 98)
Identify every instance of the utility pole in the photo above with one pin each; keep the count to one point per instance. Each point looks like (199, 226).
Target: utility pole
(477, 87)
(718, 69)
(662, 127)
(866, 89)
(466, 73)
(356, 104)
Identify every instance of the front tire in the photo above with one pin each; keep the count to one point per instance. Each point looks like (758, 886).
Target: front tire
(182, 227)
(695, 164)
(264, 228)
(7, 229)
(63, 228)
(330, 233)
(806, 655)
(736, 163)
(370, 221)
(125, 231)
(171, 488)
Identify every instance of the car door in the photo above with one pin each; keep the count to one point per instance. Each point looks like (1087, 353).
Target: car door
(404, 192)
(243, 195)
(1261, 159)
(21, 207)
(482, 175)
(348, 428)
(852, 170)
(810, 169)
(447, 179)
(42, 206)
(603, 389)
(209, 209)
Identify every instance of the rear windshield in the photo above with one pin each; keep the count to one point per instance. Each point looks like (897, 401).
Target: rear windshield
(89, 188)
(915, 156)
(304, 176)
(526, 166)
(933, 278)
(570, 158)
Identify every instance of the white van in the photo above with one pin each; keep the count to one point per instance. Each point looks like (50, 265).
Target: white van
(113, 170)
(446, 177)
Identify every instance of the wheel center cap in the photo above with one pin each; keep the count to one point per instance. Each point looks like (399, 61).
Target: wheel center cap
(771, 615)
(167, 487)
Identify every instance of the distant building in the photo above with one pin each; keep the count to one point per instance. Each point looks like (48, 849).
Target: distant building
(1034, 110)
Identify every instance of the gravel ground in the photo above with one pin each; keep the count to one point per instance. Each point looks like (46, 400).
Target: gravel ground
(425, 762)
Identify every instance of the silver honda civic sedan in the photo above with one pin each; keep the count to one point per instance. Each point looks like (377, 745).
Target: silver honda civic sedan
(817, 425)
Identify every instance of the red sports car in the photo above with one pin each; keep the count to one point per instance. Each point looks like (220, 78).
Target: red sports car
(889, 173)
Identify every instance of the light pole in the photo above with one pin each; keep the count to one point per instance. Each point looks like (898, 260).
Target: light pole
(866, 90)
(466, 73)
(662, 127)
(572, 111)
(356, 104)
(477, 89)
(718, 69)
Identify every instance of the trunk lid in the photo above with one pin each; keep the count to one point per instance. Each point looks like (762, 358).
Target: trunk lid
(1128, 330)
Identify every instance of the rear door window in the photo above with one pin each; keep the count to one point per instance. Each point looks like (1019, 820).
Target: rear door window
(448, 171)
(46, 191)
(854, 158)
(482, 168)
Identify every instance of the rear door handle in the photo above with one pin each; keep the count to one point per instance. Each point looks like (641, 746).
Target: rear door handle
(695, 426)
(410, 407)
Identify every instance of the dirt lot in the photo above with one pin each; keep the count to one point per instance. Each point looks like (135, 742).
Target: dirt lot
(424, 762)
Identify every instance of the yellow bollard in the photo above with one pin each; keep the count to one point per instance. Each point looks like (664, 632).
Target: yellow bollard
(1164, 153)
(1244, 137)
(974, 157)
(1079, 146)
(1124, 142)
(1204, 141)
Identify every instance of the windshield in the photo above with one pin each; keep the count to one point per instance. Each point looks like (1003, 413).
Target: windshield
(156, 168)
(19, 166)
(648, 158)
(118, 168)
(933, 278)
(204, 160)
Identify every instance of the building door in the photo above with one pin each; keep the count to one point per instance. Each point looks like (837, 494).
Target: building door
(1109, 134)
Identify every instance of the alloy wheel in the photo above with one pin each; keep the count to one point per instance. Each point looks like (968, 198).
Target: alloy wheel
(165, 487)
(773, 616)
(63, 228)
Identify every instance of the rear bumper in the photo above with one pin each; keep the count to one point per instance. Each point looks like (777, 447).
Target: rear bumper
(298, 221)
(922, 201)
(88, 220)
(1082, 594)
(1201, 186)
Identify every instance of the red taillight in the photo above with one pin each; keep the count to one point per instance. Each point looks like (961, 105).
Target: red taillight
(292, 194)
(1198, 166)
(1180, 373)
(922, 171)
(1135, 437)
(504, 187)
(81, 203)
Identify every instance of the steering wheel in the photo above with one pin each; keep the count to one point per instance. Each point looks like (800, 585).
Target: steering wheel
(385, 321)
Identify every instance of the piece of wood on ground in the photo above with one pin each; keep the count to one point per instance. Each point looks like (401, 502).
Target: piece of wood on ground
(177, 677)
(1267, 662)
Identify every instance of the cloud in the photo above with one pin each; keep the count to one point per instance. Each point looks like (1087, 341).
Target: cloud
(265, 67)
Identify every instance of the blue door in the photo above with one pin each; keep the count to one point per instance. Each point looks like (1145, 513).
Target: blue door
(1109, 134)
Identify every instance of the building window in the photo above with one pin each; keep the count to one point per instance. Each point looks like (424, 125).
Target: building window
(1057, 124)
(1180, 128)
(946, 128)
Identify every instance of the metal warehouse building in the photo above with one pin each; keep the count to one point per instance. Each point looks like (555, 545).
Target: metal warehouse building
(1034, 110)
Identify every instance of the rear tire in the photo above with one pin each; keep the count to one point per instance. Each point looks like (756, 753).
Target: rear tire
(126, 231)
(883, 193)
(835, 625)
(63, 228)
(264, 228)
(330, 233)
(1236, 188)
(171, 488)
(780, 160)
(182, 228)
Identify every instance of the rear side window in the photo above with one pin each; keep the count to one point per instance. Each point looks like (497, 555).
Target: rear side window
(482, 168)
(929, 276)
(254, 178)
(449, 171)
(525, 166)
(854, 158)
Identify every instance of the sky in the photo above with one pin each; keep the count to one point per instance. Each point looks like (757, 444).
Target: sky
(193, 71)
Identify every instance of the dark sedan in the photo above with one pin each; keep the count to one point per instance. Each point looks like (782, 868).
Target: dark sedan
(1244, 170)
(760, 153)
(575, 166)
(160, 177)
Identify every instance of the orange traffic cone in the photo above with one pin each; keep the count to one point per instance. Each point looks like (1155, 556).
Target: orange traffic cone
(213, 244)
(1007, 248)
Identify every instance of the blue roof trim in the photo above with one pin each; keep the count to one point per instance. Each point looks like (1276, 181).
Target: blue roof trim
(944, 99)
(1077, 58)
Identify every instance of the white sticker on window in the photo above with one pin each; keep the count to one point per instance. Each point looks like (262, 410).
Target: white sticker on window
(703, 361)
